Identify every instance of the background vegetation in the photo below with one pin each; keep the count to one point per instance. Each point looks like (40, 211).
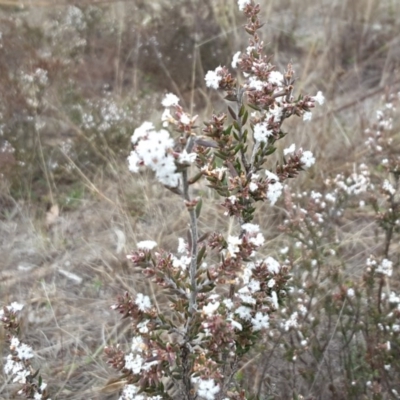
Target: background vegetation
(77, 78)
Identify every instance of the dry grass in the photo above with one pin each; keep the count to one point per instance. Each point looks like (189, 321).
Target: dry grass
(68, 272)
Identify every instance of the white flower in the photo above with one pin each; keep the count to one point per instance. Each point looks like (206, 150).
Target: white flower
(385, 267)
(24, 352)
(257, 240)
(254, 83)
(289, 150)
(213, 79)
(254, 286)
(350, 292)
(272, 265)
(20, 376)
(387, 187)
(276, 78)
(142, 326)
(276, 112)
(11, 367)
(307, 116)
(236, 59)
(170, 100)
(319, 98)
(253, 187)
(228, 303)
(146, 245)
(15, 307)
(274, 299)
(291, 322)
(233, 245)
(166, 117)
(244, 312)
(260, 321)
(134, 362)
(182, 246)
(133, 162)
(275, 188)
(248, 299)
(235, 324)
(137, 344)
(185, 120)
(187, 158)
(243, 3)
(261, 132)
(143, 302)
(181, 263)
(307, 158)
(165, 172)
(208, 389)
(142, 131)
(129, 392)
(210, 308)
(251, 228)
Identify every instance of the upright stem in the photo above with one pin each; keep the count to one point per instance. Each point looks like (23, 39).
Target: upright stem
(186, 348)
(194, 236)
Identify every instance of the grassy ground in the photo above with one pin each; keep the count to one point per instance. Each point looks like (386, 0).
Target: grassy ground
(69, 208)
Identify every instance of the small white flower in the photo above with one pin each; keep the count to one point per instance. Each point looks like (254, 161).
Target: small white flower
(208, 389)
(187, 158)
(236, 324)
(385, 267)
(213, 79)
(142, 131)
(24, 352)
(254, 286)
(307, 116)
(143, 302)
(272, 265)
(276, 78)
(134, 362)
(274, 299)
(256, 84)
(233, 245)
(133, 162)
(251, 228)
(253, 187)
(236, 59)
(243, 3)
(307, 158)
(261, 132)
(185, 120)
(319, 98)
(228, 303)
(275, 188)
(260, 321)
(146, 245)
(244, 312)
(166, 117)
(387, 187)
(210, 308)
(129, 392)
(182, 248)
(170, 100)
(289, 150)
(350, 292)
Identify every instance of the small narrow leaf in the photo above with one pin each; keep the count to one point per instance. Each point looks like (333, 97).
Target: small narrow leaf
(198, 208)
(232, 112)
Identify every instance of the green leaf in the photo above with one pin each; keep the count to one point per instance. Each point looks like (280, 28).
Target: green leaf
(198, 208)
(200, 255)
(242, 110)
(232, 112)
(245, 117)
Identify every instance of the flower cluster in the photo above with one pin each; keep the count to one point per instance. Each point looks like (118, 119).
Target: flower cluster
(18, 366)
